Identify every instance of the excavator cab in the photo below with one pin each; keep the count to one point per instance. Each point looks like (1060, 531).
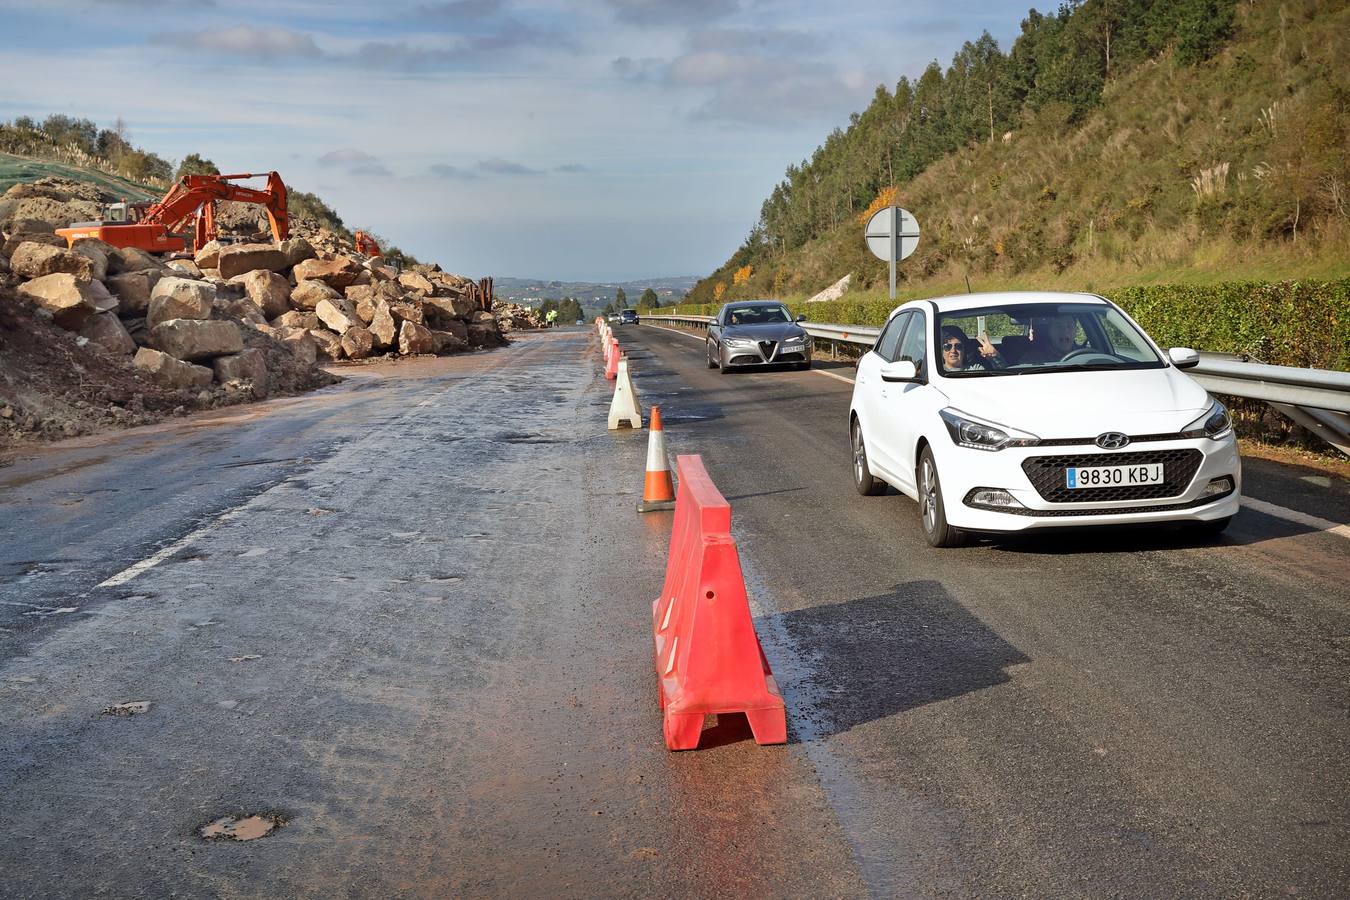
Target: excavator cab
(117, 213)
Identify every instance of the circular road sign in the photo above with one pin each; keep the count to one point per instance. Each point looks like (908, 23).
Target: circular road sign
(879, 233)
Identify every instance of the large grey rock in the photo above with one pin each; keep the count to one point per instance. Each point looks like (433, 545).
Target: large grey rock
(329, 344)
(307, 294)
(132, 259)
(336, 273)
(171, 372)
(134, 289)
(414, 339)
(209, 256)
(297, 250)
(357, 342)
(383, 327)
(300, 343)
(246, 365)
(180, 298)
(195, 339)
(272, 292)
(415, 282)
(70, 300)
(445, 309)
(245, 310)
(18, 237)
(337, 313)
(186, 266)
(405, 311)
(96, 252)
(457, 328)
(33, 260)
(447, 342)
(108, 332)
(236, 259)
(296, 319)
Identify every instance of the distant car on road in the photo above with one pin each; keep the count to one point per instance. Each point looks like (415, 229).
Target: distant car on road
(628, 317)
(1009, 412)
(612, 318)
(581, 321)
(756, 333)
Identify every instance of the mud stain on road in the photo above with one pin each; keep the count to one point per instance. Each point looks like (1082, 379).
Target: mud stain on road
(246, 828)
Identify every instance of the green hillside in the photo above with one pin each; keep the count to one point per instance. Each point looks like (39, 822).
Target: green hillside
(1117, 143)
(17, 169)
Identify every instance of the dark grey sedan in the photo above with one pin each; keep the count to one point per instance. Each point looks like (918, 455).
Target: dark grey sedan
(757, 333)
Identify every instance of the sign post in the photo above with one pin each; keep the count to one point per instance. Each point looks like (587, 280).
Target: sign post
(892, 234)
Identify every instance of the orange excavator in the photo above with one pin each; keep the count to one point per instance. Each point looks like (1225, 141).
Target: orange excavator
(366, 244)
(159, 227)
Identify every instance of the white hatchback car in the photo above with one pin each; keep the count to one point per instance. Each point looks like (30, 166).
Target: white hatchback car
(1013, 411)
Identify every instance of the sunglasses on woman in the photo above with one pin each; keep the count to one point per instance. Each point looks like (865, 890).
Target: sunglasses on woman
(952, 345)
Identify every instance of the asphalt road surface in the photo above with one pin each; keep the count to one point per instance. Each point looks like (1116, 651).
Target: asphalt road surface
(406, 620)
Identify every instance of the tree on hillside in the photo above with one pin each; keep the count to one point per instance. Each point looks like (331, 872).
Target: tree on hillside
(67, 130)
(196, 164)
(648, 300)
(608, 310)
(569, 310)
(620, 299)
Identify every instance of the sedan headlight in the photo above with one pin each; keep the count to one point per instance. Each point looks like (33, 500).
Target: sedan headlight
(738, 342)
(1214, 423)
(977, 435)
(801, 340)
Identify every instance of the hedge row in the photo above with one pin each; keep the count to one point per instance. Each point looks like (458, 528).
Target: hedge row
(1287, 323)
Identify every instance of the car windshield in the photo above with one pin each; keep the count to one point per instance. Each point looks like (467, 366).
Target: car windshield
(757, 315)
(1035, 338)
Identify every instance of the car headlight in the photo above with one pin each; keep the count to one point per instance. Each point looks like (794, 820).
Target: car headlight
(1214, 423)
(977, 435)
(738, 342)
(801, 340)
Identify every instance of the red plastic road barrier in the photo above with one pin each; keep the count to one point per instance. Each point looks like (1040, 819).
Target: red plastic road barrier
(708, 657)
(612, 361)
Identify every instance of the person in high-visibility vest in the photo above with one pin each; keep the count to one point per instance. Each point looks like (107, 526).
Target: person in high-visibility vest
(551, 318)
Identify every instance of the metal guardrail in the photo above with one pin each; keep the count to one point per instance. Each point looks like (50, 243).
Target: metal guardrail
(1317, 399)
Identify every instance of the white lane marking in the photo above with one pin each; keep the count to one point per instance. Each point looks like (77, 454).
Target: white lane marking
(829, 374)
(150, 562)
(824, 372)
(155, 559)
(1300, 518)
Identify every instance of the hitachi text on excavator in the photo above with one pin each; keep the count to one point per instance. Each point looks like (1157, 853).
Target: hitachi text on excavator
(160, 227)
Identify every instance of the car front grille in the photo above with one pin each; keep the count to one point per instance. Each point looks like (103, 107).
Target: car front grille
(1046, 474)
(766, 348)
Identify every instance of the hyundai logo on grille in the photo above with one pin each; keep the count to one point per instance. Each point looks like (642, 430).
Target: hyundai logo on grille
(1112, 440)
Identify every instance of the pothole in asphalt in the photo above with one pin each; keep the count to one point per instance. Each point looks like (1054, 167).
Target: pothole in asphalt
(512, 437)
(130, 708)
(241, 828)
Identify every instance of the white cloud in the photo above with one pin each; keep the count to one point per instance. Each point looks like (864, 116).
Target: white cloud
(245, 40)
(354, 162)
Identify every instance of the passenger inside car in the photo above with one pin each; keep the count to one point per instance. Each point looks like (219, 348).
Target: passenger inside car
(959, 352)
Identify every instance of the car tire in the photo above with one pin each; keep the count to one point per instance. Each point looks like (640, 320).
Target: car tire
(712, 363)
(867, 484)
(932, 511)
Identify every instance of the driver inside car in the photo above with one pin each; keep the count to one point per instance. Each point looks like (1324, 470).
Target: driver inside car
(1051, 338)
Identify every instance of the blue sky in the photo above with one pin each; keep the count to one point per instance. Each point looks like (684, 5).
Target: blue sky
(605, 140)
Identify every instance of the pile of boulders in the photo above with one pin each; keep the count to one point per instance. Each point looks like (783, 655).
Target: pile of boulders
(192, 322)
(513, 316)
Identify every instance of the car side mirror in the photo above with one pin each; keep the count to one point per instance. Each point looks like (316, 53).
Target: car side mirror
(903, 370)
(1183, 357)
(800, 319)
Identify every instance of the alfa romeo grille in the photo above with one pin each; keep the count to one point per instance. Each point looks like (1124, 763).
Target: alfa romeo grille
(1047, 475)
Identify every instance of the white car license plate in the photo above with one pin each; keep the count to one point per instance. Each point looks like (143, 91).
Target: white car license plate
(1113, 476)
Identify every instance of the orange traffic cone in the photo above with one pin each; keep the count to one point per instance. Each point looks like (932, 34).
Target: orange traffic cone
(657, 490)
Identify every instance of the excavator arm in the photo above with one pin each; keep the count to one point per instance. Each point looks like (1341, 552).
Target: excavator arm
(192, 195)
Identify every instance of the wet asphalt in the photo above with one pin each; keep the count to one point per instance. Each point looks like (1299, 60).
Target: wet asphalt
(408, 618)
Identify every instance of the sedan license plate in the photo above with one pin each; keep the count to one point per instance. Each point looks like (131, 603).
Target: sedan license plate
(1113, 476)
